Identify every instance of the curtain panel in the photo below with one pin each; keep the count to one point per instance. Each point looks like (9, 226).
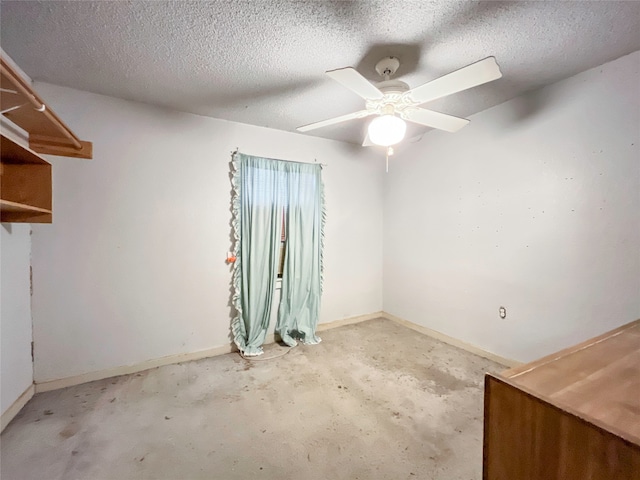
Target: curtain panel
(267, 195)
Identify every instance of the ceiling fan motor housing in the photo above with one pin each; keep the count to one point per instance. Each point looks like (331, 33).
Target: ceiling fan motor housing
(393, 101)
(392, 86)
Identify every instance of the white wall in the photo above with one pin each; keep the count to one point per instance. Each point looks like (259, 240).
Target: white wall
(534, 206)
(133, 266)
(15, 312)
(16, 364)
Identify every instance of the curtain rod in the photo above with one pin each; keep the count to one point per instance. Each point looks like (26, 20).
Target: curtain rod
(315, 161)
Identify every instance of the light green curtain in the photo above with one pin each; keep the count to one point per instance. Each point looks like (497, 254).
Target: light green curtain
(301, 278)
(262, 189)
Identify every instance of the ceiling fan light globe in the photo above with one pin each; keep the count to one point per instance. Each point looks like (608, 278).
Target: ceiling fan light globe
(387, 130)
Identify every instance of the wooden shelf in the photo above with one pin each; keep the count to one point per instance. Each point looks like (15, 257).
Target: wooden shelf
(13, 152)
(25, 184)
(47, 133)
(25, 177)
(20, 212)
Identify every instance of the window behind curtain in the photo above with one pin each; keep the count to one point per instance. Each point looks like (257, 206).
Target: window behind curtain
(261, 195)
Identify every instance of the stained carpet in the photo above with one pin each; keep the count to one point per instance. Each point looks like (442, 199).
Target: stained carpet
(374, 400)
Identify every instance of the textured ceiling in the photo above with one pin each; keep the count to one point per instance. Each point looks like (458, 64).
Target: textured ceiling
(262, 62)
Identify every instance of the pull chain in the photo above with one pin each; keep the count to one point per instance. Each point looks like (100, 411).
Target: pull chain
(389, 152)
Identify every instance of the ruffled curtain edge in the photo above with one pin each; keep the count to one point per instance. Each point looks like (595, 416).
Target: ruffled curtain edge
(237, 326)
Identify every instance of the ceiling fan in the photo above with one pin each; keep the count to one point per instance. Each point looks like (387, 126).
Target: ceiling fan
(392, 101)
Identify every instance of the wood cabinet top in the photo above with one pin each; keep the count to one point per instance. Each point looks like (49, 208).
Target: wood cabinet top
(598, 380)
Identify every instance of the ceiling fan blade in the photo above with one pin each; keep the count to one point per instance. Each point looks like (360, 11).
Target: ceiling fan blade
(355, 82)
(331, 121)
(432, 119)
(467, 77)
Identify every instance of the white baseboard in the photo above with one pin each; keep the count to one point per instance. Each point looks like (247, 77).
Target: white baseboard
(172, 359)
(16, 406)
(127, 369)
(221, 350)
(452, 341)
(349, 321)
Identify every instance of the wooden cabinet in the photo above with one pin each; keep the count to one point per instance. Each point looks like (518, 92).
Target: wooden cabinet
(25, 177)
(574, 415)
(25, 184)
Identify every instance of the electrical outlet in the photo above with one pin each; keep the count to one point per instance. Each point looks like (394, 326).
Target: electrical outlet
(503, 312)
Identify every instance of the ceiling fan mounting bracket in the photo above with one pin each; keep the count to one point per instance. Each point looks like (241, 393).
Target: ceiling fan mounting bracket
(387, 67)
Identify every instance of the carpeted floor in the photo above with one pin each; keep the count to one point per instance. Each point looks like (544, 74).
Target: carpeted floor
(374, 400)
